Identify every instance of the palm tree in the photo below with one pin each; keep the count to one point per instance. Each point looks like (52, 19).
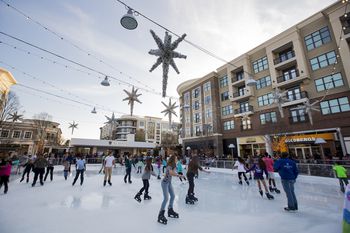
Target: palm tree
(132, 97)
(169, 110)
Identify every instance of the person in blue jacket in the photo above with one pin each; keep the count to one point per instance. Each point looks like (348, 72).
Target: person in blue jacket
(288, 172)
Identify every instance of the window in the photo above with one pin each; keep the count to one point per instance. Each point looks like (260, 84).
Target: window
(285, 55)
(196, 92)
(298, 115)
(323, 60)
(335, 106)
(263, 82)
(196, 105)
(4, 134)
(241, 91)
(260, 65)
(187, 97)
(268, 117)
(197, 118)
(16, 134)
(28, 135)
(290, 74)
(265, 99)
(223, 81)
(317, 38)
(239, 75)
(244, 107)
(142, 124)
(246, 124)
(227, 110)
(294, 94)
(329, 82)
(207, 100)
(158, 125)
(224, 96)
(197, 130)
(206, 86)
(228, 125)
(208, 113)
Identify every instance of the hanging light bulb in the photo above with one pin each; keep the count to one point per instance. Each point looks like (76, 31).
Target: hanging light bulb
(128, 21)
(105, 82)
(94, 111)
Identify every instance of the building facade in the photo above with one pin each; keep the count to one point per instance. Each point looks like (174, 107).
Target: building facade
(308, 63)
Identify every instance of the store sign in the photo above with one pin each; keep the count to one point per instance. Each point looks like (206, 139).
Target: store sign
(308, 138)
(301, 140)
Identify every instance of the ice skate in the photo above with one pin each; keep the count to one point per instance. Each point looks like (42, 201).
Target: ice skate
(271, 189)
(27, 179)
(277, 190)
(247, 182)
(269, 196)
(193, 198)
(161, 217)
(261, 193)
(240, 182)
(189, 201)
(110, 183)
(21, 179)
(137, 197)
(104, 183)
(172, 213)
(147, 197)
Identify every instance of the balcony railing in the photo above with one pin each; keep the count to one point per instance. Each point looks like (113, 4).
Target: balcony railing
(298, 119)
(297, 96)
(290, 75)
(239, 94)
(244, 109)
(237, 78)
(284, 57)
(246, 127)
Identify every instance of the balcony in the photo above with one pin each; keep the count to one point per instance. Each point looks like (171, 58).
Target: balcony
(246, 127)
(243, 111)
(299, 119)
(296, 98)
(283, 60)
(290, 78)
(237, 80)
(241, 95)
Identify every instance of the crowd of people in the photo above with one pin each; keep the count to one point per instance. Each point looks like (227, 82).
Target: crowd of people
(263, 169)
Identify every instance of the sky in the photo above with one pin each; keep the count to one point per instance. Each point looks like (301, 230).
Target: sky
(227, 28)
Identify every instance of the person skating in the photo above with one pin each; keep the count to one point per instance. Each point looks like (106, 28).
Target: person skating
(80, 166)
(159, 164)
(128, 165)
(5, 172)
(27, 168)
(168, 189)
(66, 166)
(240, 165)
(288, 172)
(39, 169)
(146, 175)
(340, 173)
(192, 170)
(139, 165)
(259, 169)
(179, 169)
(108, 165)
(164, 163)
(269, 167)
(50, 167)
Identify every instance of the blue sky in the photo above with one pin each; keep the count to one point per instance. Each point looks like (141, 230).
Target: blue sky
(227, 28)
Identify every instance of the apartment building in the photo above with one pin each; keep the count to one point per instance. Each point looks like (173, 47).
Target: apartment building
(308, 63)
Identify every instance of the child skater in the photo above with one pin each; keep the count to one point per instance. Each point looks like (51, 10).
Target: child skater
(146, 175)
(192, 170)
(128, 165)
(5, 172)
(240, 165)
(167, 188)
(340, 173)
(269, 167)
(259, 169)
(179, 169)
(139, 165)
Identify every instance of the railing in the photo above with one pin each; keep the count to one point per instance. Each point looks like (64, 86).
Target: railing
(244, 109)
(292, 74)
(246, 127)
(239, 94)
(284, 57)
(298, 119)
(237, 78)
(297, 96)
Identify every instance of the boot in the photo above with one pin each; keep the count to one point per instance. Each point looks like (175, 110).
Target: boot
(104, 183)
(189, 200)
(27, 179)
(172, 213)
(147, 197)
(277, 190)
(161, 217)
(137, 197)
(269, 196)
(110, 183)
(271, 189)
(240, 182)
(247, 182)
(261, 193)
(21, 179)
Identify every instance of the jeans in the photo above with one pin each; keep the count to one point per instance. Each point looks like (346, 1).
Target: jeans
(27, 171)
(167, 189)
(49, 170)
(240, 176)
(4, 180)
(81, 173)
(288, 186)
(190, 177)
(343, 182)
(127, 175)
(38, 172)
(65, 174)
(145, 187)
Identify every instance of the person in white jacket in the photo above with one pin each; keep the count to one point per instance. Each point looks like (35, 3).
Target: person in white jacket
(239, 164)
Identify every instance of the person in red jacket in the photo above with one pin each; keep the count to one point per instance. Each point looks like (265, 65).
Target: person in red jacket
(5, 172)
(271, 175)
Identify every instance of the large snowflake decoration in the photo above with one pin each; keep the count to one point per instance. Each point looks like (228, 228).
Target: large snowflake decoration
(111, 120)
(15, 116)
(73, 126)
(132, 97)
(166, 55)
(169, 110)
(279, 98)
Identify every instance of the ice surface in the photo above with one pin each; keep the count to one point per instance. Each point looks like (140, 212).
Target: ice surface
(224, 206)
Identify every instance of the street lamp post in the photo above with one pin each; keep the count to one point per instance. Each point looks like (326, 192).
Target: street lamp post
(231, 146)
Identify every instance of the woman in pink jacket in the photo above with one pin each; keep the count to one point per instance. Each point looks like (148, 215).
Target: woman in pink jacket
(5, 171)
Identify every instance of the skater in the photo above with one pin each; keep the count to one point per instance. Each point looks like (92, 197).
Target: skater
(179, 169)
(340, 173)
(128, 165)
(39, 169)
(5, 172)
(66, 166)
(164, 164)
(192, 170)
(102, 164)
(288, 172)
(108, 165)
(259, 169)
(269, 167)
(207, 163)
(168, 189)
(139, 165)
(239, 164)
(248, 163)
(50, 167)
(27, 168)
(159, 164)
(80, 166)
(146, 175)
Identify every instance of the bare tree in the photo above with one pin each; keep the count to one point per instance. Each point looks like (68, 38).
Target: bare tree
(41, 122)
(9, 104)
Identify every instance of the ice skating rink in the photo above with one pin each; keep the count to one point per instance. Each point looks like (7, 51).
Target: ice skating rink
(224, 206)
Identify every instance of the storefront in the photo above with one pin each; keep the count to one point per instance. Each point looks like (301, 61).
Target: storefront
(251, 146)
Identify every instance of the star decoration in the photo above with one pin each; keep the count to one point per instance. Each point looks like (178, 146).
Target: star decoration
(166, 55)
(132, 97)
(169, 110)
(15, 116)
(279, 98)
(111, 120)
(73, 126)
